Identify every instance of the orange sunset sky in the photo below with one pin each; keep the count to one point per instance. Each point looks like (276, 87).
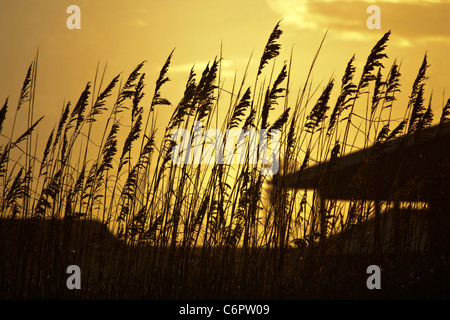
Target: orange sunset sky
(124, 33)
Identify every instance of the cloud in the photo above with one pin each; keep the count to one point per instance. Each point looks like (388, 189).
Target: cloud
(140, 22)
(295, 12)
(410, 20)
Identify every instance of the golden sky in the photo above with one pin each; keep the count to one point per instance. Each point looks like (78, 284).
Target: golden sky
(124, 33)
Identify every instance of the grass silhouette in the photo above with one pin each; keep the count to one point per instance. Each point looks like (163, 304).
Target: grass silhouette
(140, 226)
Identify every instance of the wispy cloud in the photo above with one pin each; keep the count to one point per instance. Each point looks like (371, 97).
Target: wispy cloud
(296, 12)
(410, 20)
(140, 22)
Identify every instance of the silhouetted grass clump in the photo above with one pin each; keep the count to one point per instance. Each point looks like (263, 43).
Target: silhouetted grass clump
(139, 225)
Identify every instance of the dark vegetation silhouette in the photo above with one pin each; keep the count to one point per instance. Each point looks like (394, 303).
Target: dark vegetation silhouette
(141, 227)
